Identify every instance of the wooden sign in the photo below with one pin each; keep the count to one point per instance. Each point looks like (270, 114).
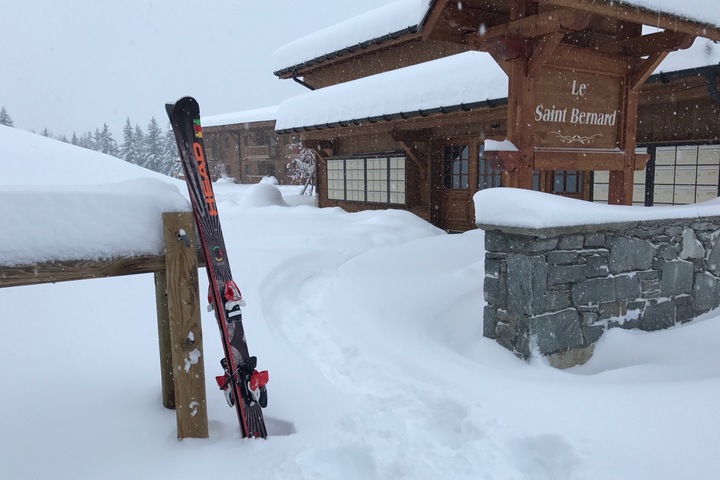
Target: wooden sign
(577, 110)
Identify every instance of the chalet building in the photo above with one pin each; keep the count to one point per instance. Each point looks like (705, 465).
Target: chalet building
(418, 105)
(244, 146)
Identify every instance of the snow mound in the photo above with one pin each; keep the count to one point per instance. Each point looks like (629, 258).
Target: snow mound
(270, 180)
(263, 195)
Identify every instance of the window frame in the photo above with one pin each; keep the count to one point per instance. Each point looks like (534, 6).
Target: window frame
(377, 178)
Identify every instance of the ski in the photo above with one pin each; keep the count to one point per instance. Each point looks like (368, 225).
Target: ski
(243, 385)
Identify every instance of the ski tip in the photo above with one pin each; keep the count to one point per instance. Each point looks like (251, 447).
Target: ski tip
(182, 102)
(169, 107)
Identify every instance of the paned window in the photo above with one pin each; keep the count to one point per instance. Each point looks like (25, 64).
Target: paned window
(456, 163)
(377, 179)
(567, 181)
(487, 177)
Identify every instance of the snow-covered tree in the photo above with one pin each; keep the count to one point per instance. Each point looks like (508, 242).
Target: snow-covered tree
(5, 118)
(87, 140)
(131, 147)
(104, 141)
(153, 146)
(302, 168)
(171, 159)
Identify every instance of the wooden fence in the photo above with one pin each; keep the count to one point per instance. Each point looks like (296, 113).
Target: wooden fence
(178, 312)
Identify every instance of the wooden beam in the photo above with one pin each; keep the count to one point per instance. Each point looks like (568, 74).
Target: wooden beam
(578, 160)
(183, 299)
(418, 135)
(409, 152)
(543, 51)
(645, 69)
(431, 22)
(649, 44)
(19, 275)
(504, 49)
(644, 16)
(531, 26)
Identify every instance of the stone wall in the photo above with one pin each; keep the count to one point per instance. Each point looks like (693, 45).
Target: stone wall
(555, 291)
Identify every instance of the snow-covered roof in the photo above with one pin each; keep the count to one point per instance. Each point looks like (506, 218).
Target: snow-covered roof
(407, 16)
(701, 11)
(265, 114)
(463, 80)
(391, 20)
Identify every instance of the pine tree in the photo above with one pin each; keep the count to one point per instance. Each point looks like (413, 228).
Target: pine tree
(170, 157)
(153, 146)
(105, 142)
(5, 118)
(74, 140)
(130, 147)
(87, 141)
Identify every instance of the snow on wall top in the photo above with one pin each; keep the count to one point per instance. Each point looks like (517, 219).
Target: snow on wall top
(265, 114)
(391, 18)
(464, 78)
(69, 203)
(512, 207)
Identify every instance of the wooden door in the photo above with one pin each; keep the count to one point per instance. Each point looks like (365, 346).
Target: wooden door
(458, 185)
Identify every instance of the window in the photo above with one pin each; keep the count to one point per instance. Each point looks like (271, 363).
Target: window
(456, 167)
(378, 179)
(567, 181)
(487, 177)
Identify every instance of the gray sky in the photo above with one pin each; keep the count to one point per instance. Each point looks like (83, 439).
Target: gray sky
(72, 65)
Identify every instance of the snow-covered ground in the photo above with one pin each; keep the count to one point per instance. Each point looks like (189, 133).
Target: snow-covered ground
(370, 325)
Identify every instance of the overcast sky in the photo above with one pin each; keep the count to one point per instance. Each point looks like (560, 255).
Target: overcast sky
(72, 65)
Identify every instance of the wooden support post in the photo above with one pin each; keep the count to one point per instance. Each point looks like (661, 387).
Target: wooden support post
(185, 327)
(166, 370)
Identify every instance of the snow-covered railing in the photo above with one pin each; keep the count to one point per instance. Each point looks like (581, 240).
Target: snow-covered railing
(177, 300)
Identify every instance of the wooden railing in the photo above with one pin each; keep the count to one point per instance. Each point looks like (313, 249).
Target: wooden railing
(178, 312)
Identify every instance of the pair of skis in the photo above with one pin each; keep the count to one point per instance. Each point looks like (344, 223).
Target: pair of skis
(244, 386)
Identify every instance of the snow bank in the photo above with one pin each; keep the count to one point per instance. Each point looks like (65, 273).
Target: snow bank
(263, 195)
(529, 209)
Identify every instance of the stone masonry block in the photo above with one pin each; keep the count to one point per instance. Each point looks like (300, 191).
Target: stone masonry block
(594, 291)
(676, 278)
(527, 282)
(629, 254)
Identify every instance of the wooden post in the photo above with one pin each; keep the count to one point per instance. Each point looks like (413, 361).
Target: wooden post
(166, 365)
(185, 327)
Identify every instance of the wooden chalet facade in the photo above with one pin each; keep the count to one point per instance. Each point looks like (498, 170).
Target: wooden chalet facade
(568, 83)
(244, 146)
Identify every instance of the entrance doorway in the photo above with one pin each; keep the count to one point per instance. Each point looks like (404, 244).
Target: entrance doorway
(463, 173)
